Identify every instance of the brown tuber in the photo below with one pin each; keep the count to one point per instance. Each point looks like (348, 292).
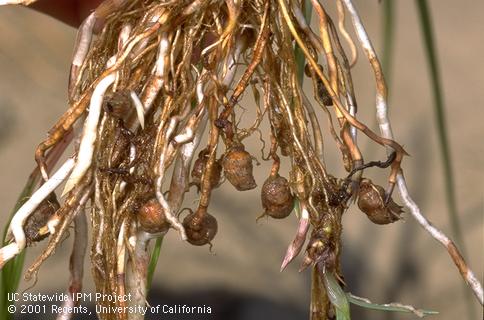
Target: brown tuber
(118, 104)
(199, 167)
(324, 94)
(371, 202)
(151, 217)
(237, 164)
(276, 197)
(200, 229)
(322, 91)
(35, 226)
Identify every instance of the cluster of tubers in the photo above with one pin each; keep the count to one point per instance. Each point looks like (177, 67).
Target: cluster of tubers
(277, 200)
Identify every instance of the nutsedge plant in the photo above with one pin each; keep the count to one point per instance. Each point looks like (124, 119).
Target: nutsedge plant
(148, 78)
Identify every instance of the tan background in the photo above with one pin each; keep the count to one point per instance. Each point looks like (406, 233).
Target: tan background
(394, 263)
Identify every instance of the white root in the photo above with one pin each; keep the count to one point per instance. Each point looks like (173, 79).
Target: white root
(52, 158)
(132, 156)
(102, 214)
(344, 32)
(199, 88)
(89, 134)
(188, 131)
(122, 40)
(121, 262)
(385, 129)
(140, 109)
(82, 45)
(140, 46)
(156, 81)
(121, 250)
(161, 62)
(90, 129)
(159, 181)
(438, 235)
(18, 220)
(124, 36)
(76, 265)
(53, 223)
(181, 171)
(187, 134)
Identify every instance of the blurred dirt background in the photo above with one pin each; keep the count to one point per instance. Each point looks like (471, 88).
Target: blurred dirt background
(241, 280)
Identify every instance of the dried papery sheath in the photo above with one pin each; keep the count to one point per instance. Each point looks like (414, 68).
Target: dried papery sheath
(296, 245)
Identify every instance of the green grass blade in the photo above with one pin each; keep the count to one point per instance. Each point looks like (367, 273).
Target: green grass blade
(387, 307)
(300, 59)
(440, 117)
(12, 270)
(155, 254)
(427, 32)
(341, 315)
(337, 296)
(388, 38)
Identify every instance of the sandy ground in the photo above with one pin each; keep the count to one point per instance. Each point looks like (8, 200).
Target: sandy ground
(394, 263)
